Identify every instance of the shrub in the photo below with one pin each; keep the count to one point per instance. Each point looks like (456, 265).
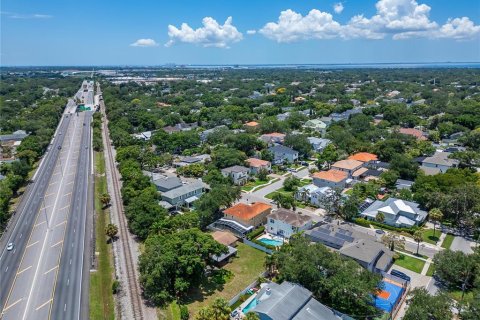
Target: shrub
(255, 233)
(184, 313)
(367, 223)
(115, 286)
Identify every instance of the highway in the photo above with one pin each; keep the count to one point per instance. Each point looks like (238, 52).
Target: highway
(47, 266)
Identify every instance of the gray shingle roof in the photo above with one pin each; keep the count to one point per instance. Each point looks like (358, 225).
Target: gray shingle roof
(290, 217)
(235, 169)
(281, 149)
(177, 192)
(168, 183)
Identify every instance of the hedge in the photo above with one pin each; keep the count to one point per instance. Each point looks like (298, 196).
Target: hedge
(367, 223)
(255, 233)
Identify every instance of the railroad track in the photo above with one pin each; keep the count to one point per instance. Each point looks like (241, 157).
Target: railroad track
(133, 286)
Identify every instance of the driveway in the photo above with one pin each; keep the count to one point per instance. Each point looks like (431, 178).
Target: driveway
(462, 244)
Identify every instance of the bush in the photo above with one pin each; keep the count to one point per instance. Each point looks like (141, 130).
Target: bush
(184, 314)
(255, 233)
(367, 223)
(263, 244)
(115, 286)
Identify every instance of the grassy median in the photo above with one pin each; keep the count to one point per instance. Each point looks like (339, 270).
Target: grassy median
(101, 296)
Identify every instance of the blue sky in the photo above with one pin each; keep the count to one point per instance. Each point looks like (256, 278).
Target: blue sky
(139, 32)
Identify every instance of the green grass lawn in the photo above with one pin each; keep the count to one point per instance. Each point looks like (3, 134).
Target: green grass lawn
(410, 263)
(427, 235)
(447, 242)
(173, 311)
(431, 270)
(101, 296)
(252, 184)
(243, 270)
(457, 295)
(281, 190)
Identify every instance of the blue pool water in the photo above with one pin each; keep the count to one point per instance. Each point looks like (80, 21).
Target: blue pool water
(249, 306)
(395, 294)
(271, 242)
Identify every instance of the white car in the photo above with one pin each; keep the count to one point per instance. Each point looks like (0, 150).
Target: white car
(10, 246)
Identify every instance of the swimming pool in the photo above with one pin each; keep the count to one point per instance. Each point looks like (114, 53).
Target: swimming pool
(249, 306)
(271, 242)
(388, 297)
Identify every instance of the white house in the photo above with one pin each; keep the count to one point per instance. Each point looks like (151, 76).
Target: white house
(440, 161)
(316, 124)
(239, 174)
(318, 144)
(282, 154)
(285, 223)
(396, 212)
(313, 194)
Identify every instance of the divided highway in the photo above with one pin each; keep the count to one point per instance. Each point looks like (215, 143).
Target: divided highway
(44, 276)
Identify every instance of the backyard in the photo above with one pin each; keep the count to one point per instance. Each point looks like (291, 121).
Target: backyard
(230, 280)
(410, 263)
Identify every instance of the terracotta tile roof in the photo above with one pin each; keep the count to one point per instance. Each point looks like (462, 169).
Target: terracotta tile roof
(359, 172)
(413, 132)
(347, 164)
(256, 163)
(246, 211)
(251, 124)
(331, 175)
(224, 237)
(274, 134)
(363, 156)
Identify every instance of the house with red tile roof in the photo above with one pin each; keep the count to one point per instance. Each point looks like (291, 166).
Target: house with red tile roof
(420, 135)
(348, 166)
(254, 214)
(274, 137)
(331, 178)
(256, 165)
(363, 157)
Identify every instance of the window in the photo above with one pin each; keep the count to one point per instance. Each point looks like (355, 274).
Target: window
(272, 221)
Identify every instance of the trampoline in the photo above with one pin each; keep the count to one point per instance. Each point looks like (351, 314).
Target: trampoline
(388, 297)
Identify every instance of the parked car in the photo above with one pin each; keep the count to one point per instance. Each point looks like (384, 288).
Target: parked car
(10, 246)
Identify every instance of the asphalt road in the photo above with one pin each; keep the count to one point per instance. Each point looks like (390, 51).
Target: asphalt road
(48, 262)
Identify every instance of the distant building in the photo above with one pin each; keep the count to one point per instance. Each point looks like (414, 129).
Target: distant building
(365, 157)
(396, 212)
(318, 144)
(18, 135)
(204, 134)
(403, 184)
(285, 223)
(273, 138)
(440, 161)
(188, 160)
(252, 125)
(420, 135)
(316, 125)
(239, 174)
(283, 154)
(143, 135)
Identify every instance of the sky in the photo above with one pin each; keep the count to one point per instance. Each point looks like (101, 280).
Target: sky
(107, 32)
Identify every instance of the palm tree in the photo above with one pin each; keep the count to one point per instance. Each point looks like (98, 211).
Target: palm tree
(270, 264)
(380, 217)
(417, 236)
(105, 199)
(111, 231)
(435, 216)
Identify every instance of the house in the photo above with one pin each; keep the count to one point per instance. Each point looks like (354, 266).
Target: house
(143, 135)
(184, 195)
(326, 120)
(285, 223)
(18, 135)
(403, 184)
(283, 154)
(345, 115)
(313, 194)
(256, 165)
(348, 166)
(188, 160)
(255, 95)
(371, 255)
(252, 125)
(419, 135)
(441, 161)
(289, 301)
(273, 138)
(283, 116)
(316, 125)
(239, 174)
(318, 144)
(252, 215)
(396, 212)
(367, 158)
(204, 134)
(331, 178)
(166, 183)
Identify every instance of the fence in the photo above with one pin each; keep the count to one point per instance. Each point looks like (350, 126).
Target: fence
(256, 246)
(250, 286)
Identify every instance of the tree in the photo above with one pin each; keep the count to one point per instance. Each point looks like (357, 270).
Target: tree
(392, 241)
(328, 156)
(418, 237)
(251, 316)
(226, 157)
(435, 216)
(380, 217)
(291, 183)
(456, 269)
(332, 202)
(196, 170)
(172, 264)
(284, 200)
(111, 231)
(262, 174)
(423, 306)
(300, 143)
(105, 199)
(219, 310)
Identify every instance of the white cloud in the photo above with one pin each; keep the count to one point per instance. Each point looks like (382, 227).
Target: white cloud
(292, 26)
(212, 34)
(144, 43)
(251, 31)
(398, 19)
(14, 15)
(338, 7)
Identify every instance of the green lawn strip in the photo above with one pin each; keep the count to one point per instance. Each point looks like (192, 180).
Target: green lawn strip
(252, 184)
(173, 311)
(447, 242)
(101, 296)
(410, 263)
(427, 235)
(281, 190)
(457, 295)
(431, 270)
(238, 274)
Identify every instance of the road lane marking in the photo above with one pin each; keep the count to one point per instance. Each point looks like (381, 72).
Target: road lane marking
(39, 224)
(64, 207)
(70, 183)
(53, 183)
(61, 223)
(43, 305)
(23, 270)
(50, 194)
(56, 244)
(51, 269)
(6, 308)
(31, 244)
